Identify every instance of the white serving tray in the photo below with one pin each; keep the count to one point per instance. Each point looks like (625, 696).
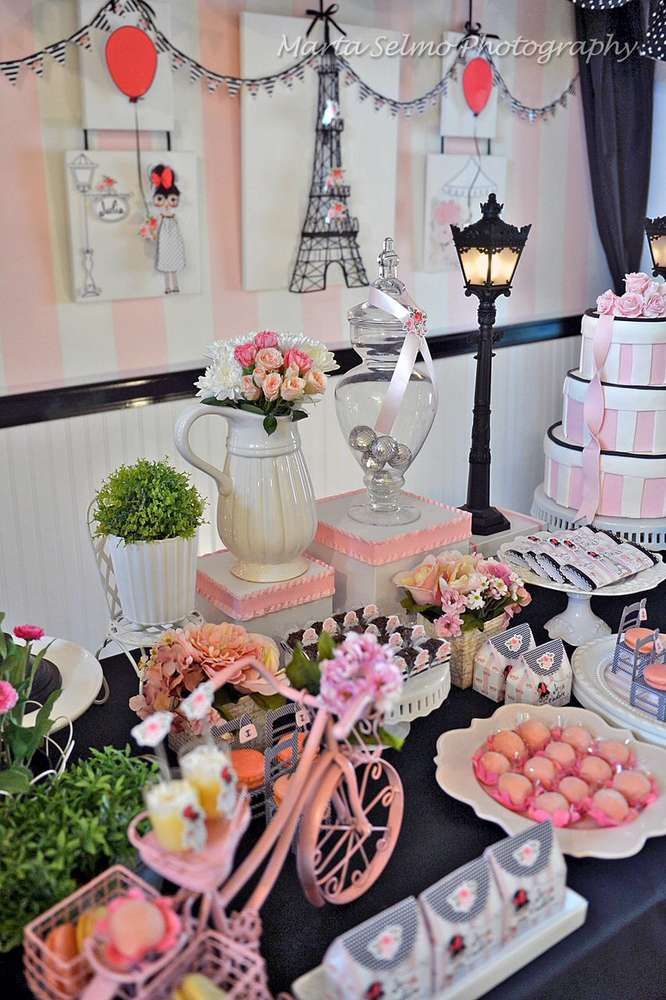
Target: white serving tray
(512, 957)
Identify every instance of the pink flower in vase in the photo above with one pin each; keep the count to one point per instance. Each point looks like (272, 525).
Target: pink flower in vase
(638, 282)
(298, 359)
(245, 354)
(28, 632)
(452, 601)
(266, 339)
(271, 386)
(630, 305)
(292, 388)
(607, 304)
(269, 358)
(315, 383)
(8, 697)
(447, 212)
(448, 625)
(251, 391)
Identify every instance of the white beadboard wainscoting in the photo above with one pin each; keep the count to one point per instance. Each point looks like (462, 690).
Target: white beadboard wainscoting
(51, 471)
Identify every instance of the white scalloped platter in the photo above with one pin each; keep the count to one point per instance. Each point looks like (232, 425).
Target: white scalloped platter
(455, 776)
(596, 687)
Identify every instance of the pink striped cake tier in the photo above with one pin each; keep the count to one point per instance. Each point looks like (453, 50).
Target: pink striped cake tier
(631, 485)
(637, 355)
(634, 419)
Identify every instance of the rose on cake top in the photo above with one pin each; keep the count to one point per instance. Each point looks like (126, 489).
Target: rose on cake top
(643, 299)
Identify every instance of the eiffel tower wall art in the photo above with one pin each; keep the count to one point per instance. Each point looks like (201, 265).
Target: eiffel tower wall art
(318, 165)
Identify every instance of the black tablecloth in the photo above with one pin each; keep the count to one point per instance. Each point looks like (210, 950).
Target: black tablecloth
(617, 955)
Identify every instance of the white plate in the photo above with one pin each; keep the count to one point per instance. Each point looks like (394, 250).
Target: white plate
(81, 680)
(596, 687)
(455, 775)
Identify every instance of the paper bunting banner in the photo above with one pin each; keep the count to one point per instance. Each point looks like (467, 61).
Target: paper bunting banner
(84, 41)
(11, 71)
(152, 730)
(36, 64)
(196, 72)
(58, 52)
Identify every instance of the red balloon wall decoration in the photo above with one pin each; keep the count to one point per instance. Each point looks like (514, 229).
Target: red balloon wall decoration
(477, 83)
(131, 58)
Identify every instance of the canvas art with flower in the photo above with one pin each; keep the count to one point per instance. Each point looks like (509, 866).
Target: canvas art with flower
(267, 373)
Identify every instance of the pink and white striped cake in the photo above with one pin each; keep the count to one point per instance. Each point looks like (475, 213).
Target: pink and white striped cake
(637, 355)
(634, 418)
(631, 485)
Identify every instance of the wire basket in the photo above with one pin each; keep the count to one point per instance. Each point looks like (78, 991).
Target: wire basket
(51, 977)
(464, 647)
(238, 970)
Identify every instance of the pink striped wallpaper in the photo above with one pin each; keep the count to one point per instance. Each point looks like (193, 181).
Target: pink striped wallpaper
(44, 336)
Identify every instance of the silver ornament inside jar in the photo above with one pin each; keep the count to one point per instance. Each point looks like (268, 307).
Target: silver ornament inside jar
(386, 430)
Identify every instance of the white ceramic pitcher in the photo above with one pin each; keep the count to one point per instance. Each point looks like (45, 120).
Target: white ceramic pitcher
(266, 512)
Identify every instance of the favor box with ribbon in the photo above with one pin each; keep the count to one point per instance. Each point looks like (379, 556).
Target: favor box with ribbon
(495, 658)
(387, 956)
(542, 676)
(531, 876)
(463, 912)
(365, 559)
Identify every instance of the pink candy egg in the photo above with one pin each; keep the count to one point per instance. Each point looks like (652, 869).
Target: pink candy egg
(508, 743)
(634, 785)
(534, 734)
(494, 763)
(542, 770)
(611, 803)
(561, 753)
(614, 752)
(595, 771)
(136, 927)
(516, 787)
(573, 789)
(578, 737)
(551, 802)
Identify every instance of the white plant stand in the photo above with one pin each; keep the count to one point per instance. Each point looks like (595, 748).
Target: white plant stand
(650, 532)
(578, 624)
(513, 956)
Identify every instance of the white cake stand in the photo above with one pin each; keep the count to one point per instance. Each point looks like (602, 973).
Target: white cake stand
(578, 624)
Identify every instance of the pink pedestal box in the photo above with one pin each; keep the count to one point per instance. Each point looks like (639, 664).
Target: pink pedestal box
(521, 524)
(387, 956)
(269, 608)
(366, 557)
(531, 875)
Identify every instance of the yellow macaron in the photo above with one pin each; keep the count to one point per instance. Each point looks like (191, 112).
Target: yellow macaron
(197, 987)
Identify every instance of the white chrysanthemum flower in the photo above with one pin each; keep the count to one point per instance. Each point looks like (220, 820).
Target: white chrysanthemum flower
(224, 378)
(322, 358)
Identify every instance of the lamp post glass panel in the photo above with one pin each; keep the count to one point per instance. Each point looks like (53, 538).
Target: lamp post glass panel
(656, 233)
(488, 251)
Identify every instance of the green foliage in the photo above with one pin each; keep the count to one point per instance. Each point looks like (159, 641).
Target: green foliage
(270, 411)
(64, 832)
(148, 502)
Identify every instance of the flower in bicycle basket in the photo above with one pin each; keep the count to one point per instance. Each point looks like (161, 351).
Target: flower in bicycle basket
(360, 665)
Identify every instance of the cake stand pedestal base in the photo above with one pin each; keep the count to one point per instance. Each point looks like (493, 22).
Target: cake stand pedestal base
(650, 532)
(577, 624)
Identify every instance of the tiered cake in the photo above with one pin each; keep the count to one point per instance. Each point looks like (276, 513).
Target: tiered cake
(608, 455)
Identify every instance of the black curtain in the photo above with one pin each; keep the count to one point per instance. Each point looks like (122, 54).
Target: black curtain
(617, 106)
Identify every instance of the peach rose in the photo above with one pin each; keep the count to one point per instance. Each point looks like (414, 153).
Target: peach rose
(422, 582)
(607, 303)
(266, 339)
(218, 646)
(258, 375)
(251, 390)
(315, 383)
(292, 388)
(637, 282)
(271, 385)
(269, 358)
(299, 360)
(247, 679)
(630, 305)
(245, 354)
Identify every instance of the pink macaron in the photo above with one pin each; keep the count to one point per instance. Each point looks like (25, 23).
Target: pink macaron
(541, 771)
(595, 771)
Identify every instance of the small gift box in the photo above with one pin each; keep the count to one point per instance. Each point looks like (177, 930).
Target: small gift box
(387, 956)
(531, 875)
(495, 657)
(464, 916)
(542, 676)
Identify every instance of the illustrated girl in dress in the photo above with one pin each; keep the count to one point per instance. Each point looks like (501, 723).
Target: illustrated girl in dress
(170, 250)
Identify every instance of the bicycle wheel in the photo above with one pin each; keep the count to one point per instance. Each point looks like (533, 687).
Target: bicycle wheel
(336, 861)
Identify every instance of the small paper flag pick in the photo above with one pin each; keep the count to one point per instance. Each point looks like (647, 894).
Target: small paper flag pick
(152, 730)
(198, 704)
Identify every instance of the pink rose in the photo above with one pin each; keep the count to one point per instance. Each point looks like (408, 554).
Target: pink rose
(654, 305)
(8, 697)
(28, 632)
(630, 305)
(299, 360)
(271, 386)
(251, 391)
(637, 282)
(292, 388)
(245, 354)
(266, 339)
(258, 375)
(269, 358)
(315, 383)
(607, 304)
(422, 582)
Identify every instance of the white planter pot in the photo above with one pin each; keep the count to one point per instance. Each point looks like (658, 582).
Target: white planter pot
(156, 580)
(266, 512)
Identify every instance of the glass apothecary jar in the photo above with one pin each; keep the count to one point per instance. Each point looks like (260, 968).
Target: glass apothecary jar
(383, 453)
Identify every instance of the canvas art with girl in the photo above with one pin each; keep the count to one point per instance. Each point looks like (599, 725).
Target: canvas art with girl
(169, 245)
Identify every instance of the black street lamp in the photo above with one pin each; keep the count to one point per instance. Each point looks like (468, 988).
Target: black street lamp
(488, 250)
(655, 230)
